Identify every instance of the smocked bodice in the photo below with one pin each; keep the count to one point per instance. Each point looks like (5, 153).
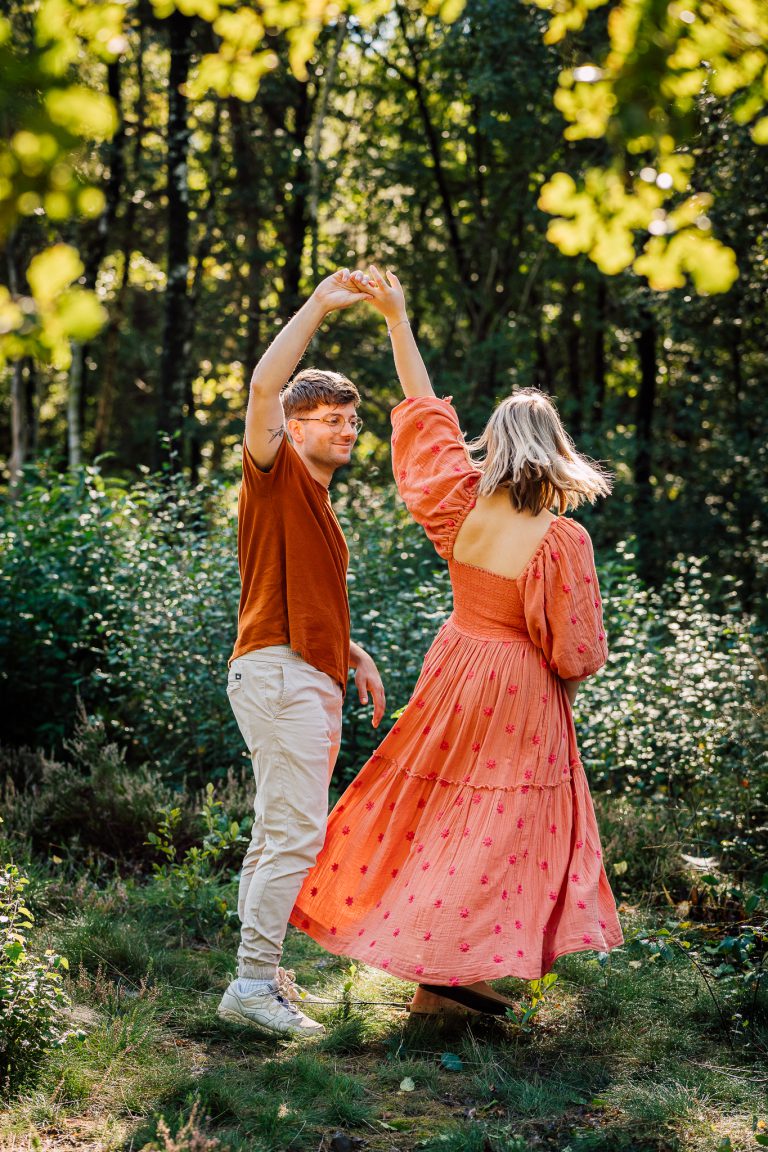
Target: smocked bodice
(485, 604)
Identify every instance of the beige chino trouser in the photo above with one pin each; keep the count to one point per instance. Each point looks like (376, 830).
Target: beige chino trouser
(290, 716)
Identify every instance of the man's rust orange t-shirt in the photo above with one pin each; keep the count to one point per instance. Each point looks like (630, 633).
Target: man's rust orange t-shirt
(293, 565)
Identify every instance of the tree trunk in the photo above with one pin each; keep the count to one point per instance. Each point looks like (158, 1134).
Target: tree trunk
(246, 202)
(573, 366)
(93, 253)
(74, 409)
(110, 356)
(192, 454)
(22, 401)
(317, 141)
(598, 354)
(296, 219)
(23, 419)
(646, 397)
(174, 357)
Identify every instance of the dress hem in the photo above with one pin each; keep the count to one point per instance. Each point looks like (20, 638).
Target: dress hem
(493, 971)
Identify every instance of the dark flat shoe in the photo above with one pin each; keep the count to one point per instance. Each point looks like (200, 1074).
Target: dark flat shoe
(468, 998)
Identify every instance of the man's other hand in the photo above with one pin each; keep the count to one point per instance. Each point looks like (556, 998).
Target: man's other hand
(368, 682)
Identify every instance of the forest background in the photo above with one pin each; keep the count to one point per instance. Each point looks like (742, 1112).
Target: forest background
(575, 200)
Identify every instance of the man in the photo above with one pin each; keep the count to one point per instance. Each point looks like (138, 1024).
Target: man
(289, 668)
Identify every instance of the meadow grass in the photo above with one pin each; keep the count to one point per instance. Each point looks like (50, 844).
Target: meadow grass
(619, 1058)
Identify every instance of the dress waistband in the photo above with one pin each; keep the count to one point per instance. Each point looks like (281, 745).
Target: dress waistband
(482, 630)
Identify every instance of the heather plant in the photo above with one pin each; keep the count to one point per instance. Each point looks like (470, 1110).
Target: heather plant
(90, 799)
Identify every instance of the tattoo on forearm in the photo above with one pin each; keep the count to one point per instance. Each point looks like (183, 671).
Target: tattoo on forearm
(276, 433)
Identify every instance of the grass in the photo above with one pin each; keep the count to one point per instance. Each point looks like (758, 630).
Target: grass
(620, 1058)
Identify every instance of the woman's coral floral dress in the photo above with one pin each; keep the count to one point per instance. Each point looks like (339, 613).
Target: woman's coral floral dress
(467, 847)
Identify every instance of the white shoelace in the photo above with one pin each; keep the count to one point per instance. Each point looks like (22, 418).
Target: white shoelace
(287, 987)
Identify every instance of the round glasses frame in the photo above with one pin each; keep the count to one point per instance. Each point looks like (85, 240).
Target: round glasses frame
(336, 422)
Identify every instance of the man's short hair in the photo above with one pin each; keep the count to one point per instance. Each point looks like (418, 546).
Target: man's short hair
(314, 386)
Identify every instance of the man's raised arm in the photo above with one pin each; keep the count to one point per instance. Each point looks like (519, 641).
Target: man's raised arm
(264, 416)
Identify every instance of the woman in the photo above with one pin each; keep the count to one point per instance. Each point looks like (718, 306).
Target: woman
(467, 847)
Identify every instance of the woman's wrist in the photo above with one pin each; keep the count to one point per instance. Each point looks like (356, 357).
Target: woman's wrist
(396, 323)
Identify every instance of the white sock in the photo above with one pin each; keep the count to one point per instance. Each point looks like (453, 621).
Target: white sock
(247, 986)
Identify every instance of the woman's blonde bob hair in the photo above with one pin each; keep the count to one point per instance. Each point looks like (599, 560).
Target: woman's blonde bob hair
(525, 448)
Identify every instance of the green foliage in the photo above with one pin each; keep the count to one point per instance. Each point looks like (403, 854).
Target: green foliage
(189, 882)
(128, 595)
(678, 717)
(643, 96)
(45, 52)
(32, 998)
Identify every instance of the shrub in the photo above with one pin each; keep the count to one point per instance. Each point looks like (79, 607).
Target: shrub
(94, 800)
(31, 995)
(678, 719)
(192, 882)
(128, 596)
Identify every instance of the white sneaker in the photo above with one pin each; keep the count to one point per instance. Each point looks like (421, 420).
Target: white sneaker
(290, 990)
(268, 1010)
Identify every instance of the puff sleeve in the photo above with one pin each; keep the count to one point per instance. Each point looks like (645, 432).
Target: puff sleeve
(433, 472)
(562, 603)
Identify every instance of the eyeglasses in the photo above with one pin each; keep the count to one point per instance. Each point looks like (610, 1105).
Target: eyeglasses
(335, 421)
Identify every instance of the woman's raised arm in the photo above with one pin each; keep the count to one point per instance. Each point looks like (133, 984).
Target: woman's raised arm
(388, 298)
